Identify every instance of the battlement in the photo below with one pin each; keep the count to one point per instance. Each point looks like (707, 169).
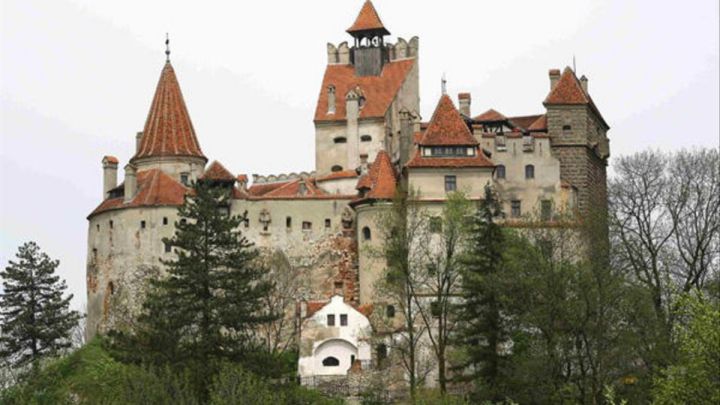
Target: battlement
(277, 178)
(402, 49)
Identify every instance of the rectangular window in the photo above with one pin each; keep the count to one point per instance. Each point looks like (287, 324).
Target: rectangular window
(168, 247)
(184, 178)
(435, 224)
(142, 224)
(306, 225)
(327, 223)
(331, 320)
(546, 210)
(515, 209)
(343, 319)
(288, 222)
(450, 183)
(165, 221)
(111, 224)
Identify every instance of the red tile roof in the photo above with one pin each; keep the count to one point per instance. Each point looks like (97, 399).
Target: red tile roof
(567, 90)
(168, 129)
(343, 174)
(447, 127)
(291, 189)
(539, 125)
(379, 91)
(314, 306)
(524, 121)
(216, 171)
(382, 178)
(155, 188)
(368, 20)
(479, 160)
(242, 178)
(490, 116)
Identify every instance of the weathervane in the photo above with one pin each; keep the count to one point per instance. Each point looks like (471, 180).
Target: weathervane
(167, 47)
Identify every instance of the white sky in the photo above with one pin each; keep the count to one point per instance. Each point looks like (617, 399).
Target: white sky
(77, 78)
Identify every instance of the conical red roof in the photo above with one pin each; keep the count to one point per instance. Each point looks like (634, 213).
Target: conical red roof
(216, 171)
(368, 20)
(380, 179)
(168, 129)
(567, 90)
(447, 126)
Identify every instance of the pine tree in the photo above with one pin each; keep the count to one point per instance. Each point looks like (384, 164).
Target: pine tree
(480, 322)
(206, 309)
(36, 321)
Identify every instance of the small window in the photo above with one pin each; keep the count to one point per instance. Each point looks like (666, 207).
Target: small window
(246, 222)
(331, 320)
(567, 128)
(97, 226)
(168, 247)
(500, 170)
(306, 225)
(390, 311)
(545, 210)
(142, 224)
(515, 211)
(330, 362)
(450, 183)
(94, 253)
(183, 221)
(288, 222)
(529, 172)
(381, 351)
(111, 224)
(340, 139)
(336, 168)
(111, 288)
(338, 288)
(185, 178)
(343, 319)
(328, 223)
(435, 224)
(165, 221)
(365, 138)
(367, 234)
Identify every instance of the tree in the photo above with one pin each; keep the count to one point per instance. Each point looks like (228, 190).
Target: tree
(695, 378)
(36, 320)
(664, 223)
(401, 228)
(481, 330)
(443, 246)
(206, 309)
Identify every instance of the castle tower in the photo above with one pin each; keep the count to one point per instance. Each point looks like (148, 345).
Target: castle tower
(369, 53)
(363, 91)
(579, 138)
(168, 141)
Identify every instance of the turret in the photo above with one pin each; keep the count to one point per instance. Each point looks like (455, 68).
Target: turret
(369, 53)
(110, 166)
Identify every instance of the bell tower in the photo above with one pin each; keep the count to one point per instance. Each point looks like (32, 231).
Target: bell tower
(368, 53)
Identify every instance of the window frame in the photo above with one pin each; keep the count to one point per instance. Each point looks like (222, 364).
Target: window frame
(501, 172)
(529, 172)
(330, 320)
(515, 204)
(450, 186)
(343, 320)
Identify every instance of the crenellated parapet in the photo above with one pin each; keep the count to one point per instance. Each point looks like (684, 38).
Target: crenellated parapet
(282, 177)
(402, 49)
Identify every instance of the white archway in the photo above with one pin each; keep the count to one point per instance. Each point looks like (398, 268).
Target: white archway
(340, 349)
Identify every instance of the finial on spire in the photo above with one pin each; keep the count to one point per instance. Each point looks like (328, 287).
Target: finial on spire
(167, 47)
(443, 84)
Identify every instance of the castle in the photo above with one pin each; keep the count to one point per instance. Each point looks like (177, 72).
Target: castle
(368, 138)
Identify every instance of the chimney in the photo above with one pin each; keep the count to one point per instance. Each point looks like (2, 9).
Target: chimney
(352, 113)
(331, 99)
(138, 141)
(130, 182)
(110, 165)
(554, 77)
(406, 135)
(464, 101)
(584, 84)
(242, 181)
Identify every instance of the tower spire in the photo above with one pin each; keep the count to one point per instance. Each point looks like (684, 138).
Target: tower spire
(167, 47)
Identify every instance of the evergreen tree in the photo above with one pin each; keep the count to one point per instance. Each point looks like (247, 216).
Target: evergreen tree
(205, 311)
(36, 321)
(480, 329)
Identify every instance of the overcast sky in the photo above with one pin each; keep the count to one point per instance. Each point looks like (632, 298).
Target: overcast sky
(77, 79)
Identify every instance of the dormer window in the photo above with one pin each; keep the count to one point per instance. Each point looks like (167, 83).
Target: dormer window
(449, 151)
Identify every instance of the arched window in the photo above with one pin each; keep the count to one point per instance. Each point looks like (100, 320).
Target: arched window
(331, 362)
(365, 138)
(367, 235)
(340, 139)
(500, 170)
(529, 172)
(336, 168)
